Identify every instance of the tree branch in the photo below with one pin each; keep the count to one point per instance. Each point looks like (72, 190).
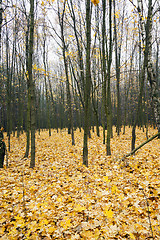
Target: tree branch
(137, 148)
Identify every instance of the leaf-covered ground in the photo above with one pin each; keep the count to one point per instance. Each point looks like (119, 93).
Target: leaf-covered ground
(62, 199)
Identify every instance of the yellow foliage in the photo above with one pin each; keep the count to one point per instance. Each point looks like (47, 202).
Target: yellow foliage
(132, 236)
(95, 2)
(79, 208)
(106, 179)
(66, 223)
(108, 213)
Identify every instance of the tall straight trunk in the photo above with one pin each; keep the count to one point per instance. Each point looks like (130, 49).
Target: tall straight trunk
(158, 83)
(152, 75)
(146, 32)
(43, 119)
(103, 68)
(139, 106)
(87, 83)
(69, 100)
(125, 86)
(39, 110)
(104, 73)
(12, 74)
(1, 20)
(8, 89)
(109, 61)
(141, 117)
(28, 95)
(117, 61)
(65, 59)
(45, 80)
(80, 53)
(95, 98)
(32, 84)
(109, 116)
(53, 105)
(1, 100)
(20, 118)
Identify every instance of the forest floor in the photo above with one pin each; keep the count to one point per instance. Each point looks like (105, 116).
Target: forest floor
(62, 199)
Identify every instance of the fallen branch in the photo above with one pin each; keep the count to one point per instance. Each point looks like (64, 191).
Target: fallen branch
(135, 150)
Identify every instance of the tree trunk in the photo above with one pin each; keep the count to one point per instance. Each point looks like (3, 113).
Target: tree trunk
(45, 80)
(32, 84)
(109, 110)
(152, 76)
(28, 95)
(87, 84)
(8, 89)
(65, 59)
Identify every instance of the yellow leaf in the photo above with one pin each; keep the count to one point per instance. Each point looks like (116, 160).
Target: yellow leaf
(117, 14)
(59, 199)
(97, 233)
(51, 229)
(132, 236)
(114, 189)
(35, 67)
(99, 194)
(95, 2)
(20, 223)
(2, 230)
(79, 208)
(45, 221)
(66, 223)
(88, 235)
(105, 178)
(108, 213)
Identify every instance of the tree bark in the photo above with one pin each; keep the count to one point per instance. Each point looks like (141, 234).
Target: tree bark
(65, 59)
(28, 94)
(87, 83)
(32, 84)
(109, 62)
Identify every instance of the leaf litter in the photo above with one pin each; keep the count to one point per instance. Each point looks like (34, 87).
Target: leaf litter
(62, 199)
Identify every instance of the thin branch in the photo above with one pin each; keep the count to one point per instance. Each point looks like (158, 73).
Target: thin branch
(137, 148)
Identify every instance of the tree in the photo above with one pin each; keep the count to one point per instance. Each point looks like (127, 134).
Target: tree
(107, 71)
(87, 85)
(64, 49)
(1, 20)
(32, 84)
(118, 47)
(28, 88)
(146, 33)
(45, 76)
